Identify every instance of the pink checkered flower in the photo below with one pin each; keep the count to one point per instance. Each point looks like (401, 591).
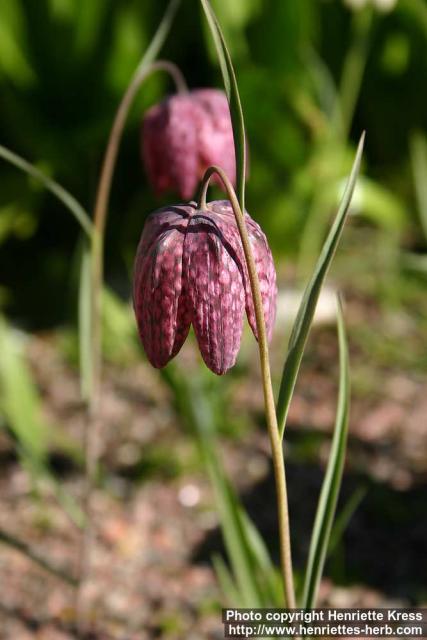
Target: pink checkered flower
(190, 269)
(184, 135)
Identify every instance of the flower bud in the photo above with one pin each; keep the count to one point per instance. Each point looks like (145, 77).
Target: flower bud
(190, 269)
(184, 135)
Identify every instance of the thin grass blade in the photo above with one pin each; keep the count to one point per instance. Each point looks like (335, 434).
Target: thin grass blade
(332, 482)
(308, 304)
(232, 91)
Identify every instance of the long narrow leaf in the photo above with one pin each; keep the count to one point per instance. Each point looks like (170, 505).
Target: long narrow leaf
(235, 540)
(332, 481)
(225, 580)
(268, 576)
(252, 566)
(193, 403)
(343, 518)
(237, 544)
(308, 304)
(64, 196)
(232, 91)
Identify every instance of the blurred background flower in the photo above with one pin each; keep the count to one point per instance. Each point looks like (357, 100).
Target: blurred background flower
(183, 136)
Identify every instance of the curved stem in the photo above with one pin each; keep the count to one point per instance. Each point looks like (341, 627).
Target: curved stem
(204, 188)
(176, 75)
(270, 409)
(103, 193)
(93, 422)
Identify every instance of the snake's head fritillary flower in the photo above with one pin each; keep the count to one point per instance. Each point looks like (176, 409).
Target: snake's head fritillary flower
(184, 135)
(190, 269)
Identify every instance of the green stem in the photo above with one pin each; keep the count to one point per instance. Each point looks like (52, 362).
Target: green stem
(100, 218)
(102, 199)
(93, 423)
(270, 409)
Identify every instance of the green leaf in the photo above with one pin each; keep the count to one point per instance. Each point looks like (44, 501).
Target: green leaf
(236, 542)
(225, 580)
(118, 327)
(64, 196)
(13, 61)
(21, 407)
(302, 324)
(253, 569)
(269, 579)
(195, 406)
(19, 401)
(344, 517)
(232, 91)
(332, 482)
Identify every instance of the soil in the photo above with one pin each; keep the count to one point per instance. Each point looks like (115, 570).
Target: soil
(156, 524)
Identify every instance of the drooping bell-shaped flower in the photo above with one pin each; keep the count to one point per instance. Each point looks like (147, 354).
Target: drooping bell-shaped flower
(190, 269)
(184, 135)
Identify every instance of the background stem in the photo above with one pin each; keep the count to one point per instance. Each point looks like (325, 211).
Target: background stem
(44, 563)
(93, 425)
(101, 203)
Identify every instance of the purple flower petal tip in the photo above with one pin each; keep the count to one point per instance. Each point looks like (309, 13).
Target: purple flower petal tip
(190, 270)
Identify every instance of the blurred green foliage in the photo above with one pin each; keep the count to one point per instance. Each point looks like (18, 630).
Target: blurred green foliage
(312, 75)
